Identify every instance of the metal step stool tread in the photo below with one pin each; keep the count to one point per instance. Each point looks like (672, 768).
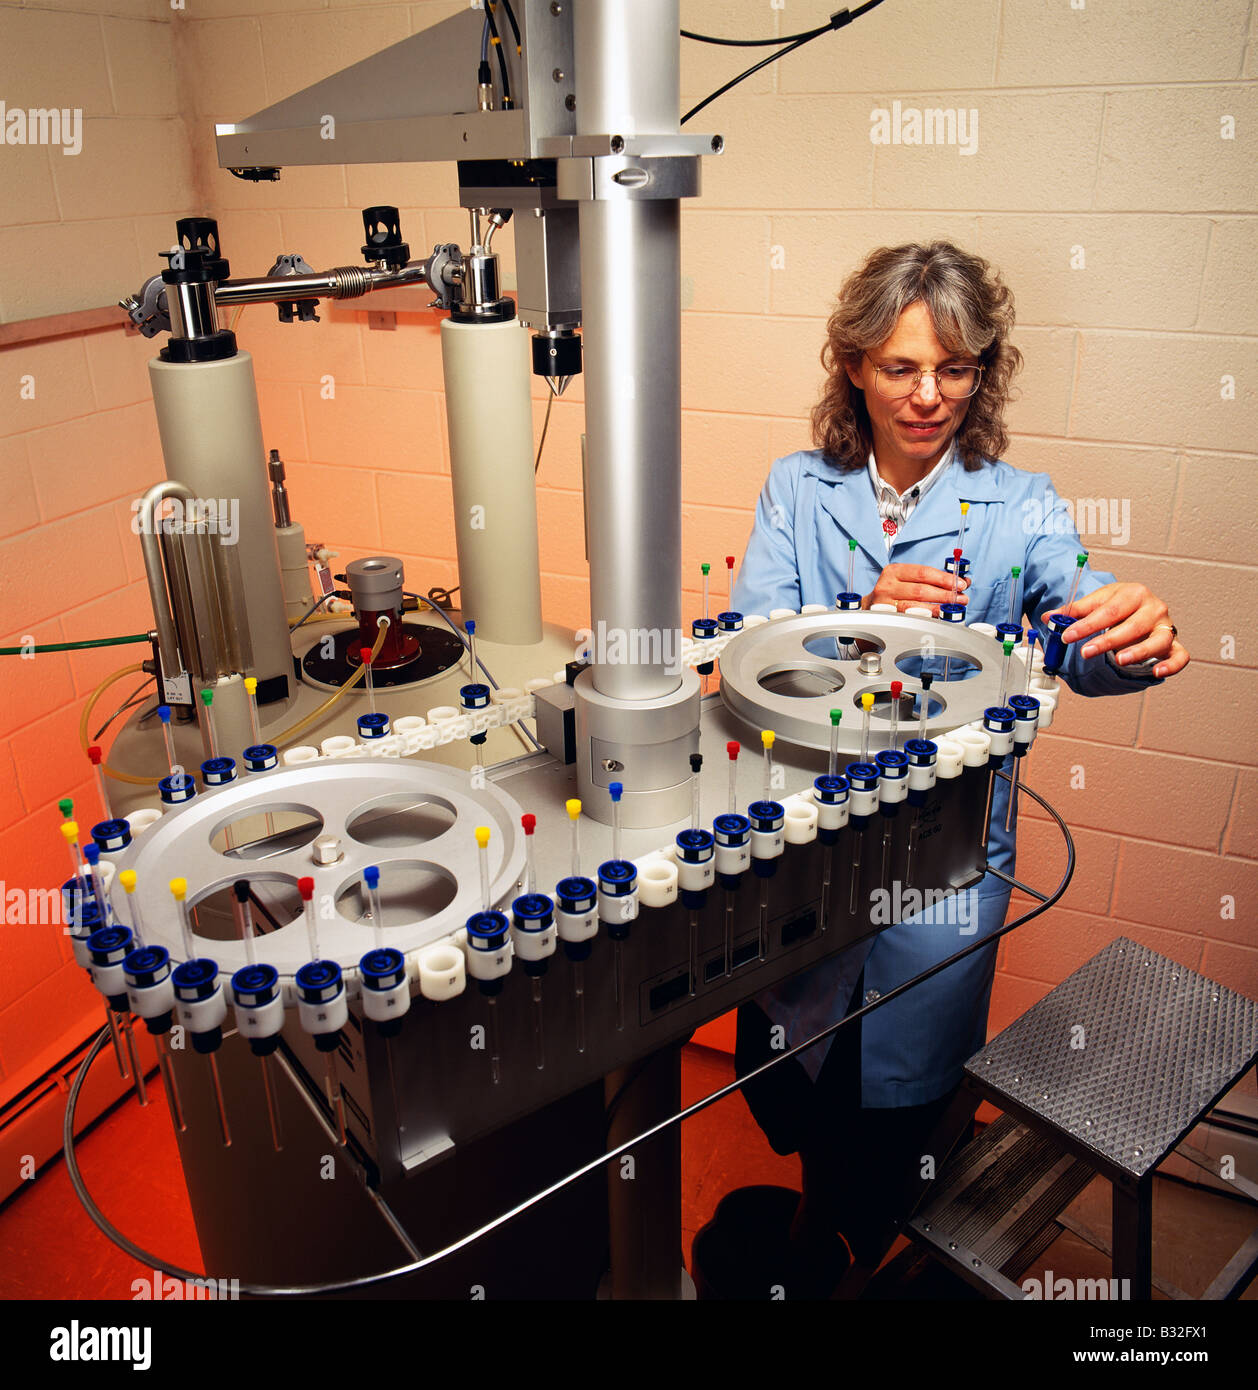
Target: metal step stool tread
(1124, 1056)
(996, 1198)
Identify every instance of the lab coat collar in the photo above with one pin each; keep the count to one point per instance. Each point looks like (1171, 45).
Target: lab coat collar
(939, 511)
(849, 499)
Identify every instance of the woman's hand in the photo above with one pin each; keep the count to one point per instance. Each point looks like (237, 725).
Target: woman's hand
(1139, 627)
(910, 586)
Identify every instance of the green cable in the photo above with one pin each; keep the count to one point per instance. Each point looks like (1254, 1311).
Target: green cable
(74, 646)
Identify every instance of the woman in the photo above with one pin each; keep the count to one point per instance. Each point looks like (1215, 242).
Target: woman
(910, 426)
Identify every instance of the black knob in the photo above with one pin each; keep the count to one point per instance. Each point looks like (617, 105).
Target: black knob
(198, 257)
(383, 230)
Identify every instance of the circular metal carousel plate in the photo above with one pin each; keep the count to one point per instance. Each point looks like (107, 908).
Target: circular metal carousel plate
(788, 674)
(416, 821)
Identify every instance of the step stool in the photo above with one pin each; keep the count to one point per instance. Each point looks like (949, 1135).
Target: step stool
(1106, 1075)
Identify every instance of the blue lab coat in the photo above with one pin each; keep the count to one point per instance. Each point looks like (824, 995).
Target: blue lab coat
(913, 1049)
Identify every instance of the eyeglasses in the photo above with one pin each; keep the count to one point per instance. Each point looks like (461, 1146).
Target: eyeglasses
(954, 381)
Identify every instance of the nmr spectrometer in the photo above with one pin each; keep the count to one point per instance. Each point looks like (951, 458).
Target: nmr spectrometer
(416, 945)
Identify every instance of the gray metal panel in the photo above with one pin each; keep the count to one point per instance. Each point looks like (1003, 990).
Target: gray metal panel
(1159, 1044)
(417, 100)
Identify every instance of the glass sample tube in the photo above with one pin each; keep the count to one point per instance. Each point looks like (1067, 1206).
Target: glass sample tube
(851, 566)
(244, 918)
(897, 689)
(305, 886)
(1013, 795)
(251, 689)
(220, 1103)
(867, 703)
(832, 767)
(924, 698)
(696, 764)
(529, 822)
(705, 568)
(482, 857)
(162, 1045)
(470, 627)
(332, 1084)
(764, 919)
(367, 679)
(1004, 670)
(733, 749)
(70, 833)
(127, 878)
(179, 890)
(767, 737)
(1015, 596)
(92, 854)
(1031, 638)
(495, 1055)
(163, 713)
(827, 863)
(573, 807)
(615, 791)
(371, 877)
(97, 757)
(578, 995)
(538, 1036)
(207, 700)
(694, 951)
(272, 1106)
(729, 932)
(1080, 561)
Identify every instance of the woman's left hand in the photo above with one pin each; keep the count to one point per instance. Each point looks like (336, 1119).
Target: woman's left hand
(1138, 623)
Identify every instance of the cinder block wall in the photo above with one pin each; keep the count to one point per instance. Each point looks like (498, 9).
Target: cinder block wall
(1112, 181)
(78, 441)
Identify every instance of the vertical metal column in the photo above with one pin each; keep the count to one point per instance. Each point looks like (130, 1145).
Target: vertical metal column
(637, 710)
(630, 278)
(628, 83)
(1133, 1235)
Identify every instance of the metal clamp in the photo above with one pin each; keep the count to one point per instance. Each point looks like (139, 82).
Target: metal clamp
(626, 177)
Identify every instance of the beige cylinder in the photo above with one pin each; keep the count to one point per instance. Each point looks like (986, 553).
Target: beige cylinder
(491, 460)
(211, 433)
(294, 570)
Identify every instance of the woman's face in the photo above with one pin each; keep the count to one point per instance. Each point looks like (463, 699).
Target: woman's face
(911, 433)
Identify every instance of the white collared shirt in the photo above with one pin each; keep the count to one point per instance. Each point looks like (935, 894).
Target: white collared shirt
(895, 508)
